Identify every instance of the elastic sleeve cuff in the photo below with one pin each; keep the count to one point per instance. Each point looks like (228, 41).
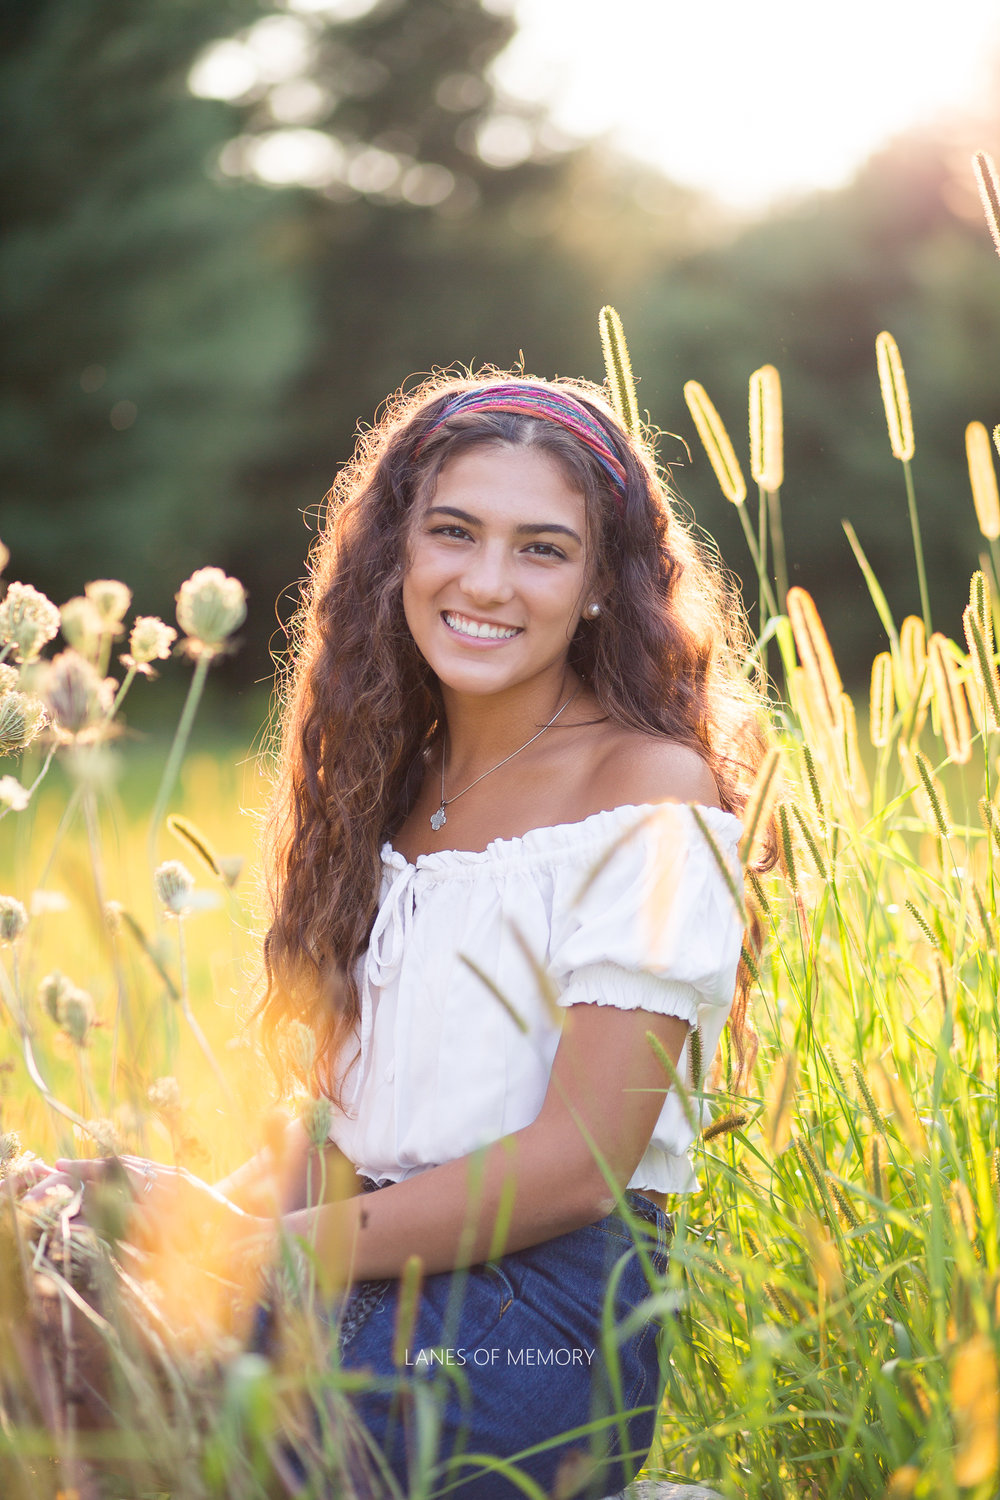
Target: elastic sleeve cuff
(631, 989)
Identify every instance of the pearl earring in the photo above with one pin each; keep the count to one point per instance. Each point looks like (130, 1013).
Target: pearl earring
(592, 610)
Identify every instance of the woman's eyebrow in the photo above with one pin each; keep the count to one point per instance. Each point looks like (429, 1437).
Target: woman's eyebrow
(528, 529)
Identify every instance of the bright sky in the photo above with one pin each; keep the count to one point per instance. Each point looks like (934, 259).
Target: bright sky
(752, 99)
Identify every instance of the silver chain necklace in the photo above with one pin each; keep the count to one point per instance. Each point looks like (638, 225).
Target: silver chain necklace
(440, 818)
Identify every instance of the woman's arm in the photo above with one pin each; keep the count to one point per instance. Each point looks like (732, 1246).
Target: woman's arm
(606, 1091)
(285, 1175)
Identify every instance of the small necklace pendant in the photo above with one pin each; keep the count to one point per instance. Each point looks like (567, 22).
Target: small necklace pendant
(438, 819)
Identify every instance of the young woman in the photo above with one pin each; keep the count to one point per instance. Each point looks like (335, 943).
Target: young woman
(495, 910)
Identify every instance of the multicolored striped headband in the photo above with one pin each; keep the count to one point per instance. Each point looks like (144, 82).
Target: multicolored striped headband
(537, 401)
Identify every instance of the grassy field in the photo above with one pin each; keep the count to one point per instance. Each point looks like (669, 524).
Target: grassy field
(832, 1308)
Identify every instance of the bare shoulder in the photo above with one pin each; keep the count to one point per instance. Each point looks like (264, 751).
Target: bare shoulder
(639, 768)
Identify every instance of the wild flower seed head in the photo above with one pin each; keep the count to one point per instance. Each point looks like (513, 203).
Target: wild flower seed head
(28, 620)
(174, 884)
(77, 697)
(10, 1147)
(164, 1095)
(111, 600)
(51, 990)
(150, 640)
(881, 701)
(13, 919)
(81, 626)
(316, 1117)
(950, 699)
(210, 606)
(4, 556)
(10, 678)
(895, 397)
(716, 442)
(619, 368)
(13, 794)
(113, 917)
(989, 191)
(105, 1135)
(76, 1014)
(767, 461)
(983, 478)
(814, 653)
(22, 719)
(760, 804)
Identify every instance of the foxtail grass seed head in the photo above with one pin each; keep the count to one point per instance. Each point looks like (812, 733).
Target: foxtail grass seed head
(815, 654)
(725, 1125)
(847, 1211)
(854, 766)
(864, 1088)
(13, 795)
(77, 697)
(989, 191)
(716, 442)
(760, 803)
(991, 820)
(787, 852)
(923, 924)
(913, 660)
(28, 620)
(210, 606)
(949, 696)
(779, 1103)
(934, 793)
(22, 719)
(619, 369)
(51, 991)
(111, 600)
(983, 477)
(81, 626)
(811, 841)
(875, 1166)
(882, 700)
(975, 1406)
(984, 685)
(760, 895)
(812, 778)
(149, 641)
(895, 397)
(13, 919)
(174, 886)
(767, 460)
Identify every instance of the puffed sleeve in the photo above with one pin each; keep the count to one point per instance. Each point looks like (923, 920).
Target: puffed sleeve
(653, 924)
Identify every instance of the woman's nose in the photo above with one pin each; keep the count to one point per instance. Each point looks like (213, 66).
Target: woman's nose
(487, 576)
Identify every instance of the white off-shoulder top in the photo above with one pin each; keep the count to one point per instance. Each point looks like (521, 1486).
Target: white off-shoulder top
(473, 956)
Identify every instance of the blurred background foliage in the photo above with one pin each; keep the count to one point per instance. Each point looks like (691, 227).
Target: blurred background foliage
(194, 331)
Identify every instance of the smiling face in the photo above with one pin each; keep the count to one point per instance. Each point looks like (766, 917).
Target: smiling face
(497, 570)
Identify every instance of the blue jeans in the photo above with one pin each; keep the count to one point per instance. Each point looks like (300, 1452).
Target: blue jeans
(507, 1358)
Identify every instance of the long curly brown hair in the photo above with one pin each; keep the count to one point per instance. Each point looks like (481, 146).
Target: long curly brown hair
(360, 706)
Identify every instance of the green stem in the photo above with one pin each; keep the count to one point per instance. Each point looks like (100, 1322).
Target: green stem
(918, 547)
(766, 591)
(177, 749)
(38, 779)
(778, 545)
(127, 682)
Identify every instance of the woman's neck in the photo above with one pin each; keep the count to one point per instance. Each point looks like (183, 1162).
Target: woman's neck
(479, 731)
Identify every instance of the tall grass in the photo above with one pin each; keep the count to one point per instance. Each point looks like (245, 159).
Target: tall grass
(831, 1314)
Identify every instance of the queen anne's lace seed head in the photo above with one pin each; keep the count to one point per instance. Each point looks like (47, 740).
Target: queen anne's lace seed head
(150, 640)
(51, 991)
(111, 600)
(22, 718)
(13, 794)
(4, 556)
(77, 697)
(28, 620)
(81, 626)
(174, 884)
(10, 677)
(76, 1014)
(13, 919)
(210, 606)
(164, 1095)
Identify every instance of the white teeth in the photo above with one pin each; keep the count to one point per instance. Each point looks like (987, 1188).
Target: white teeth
(479, 628)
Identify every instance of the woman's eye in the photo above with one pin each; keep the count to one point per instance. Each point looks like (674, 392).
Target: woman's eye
(545, 549)
(449, 531)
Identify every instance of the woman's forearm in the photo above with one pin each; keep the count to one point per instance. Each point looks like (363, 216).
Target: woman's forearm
(525, 1188)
